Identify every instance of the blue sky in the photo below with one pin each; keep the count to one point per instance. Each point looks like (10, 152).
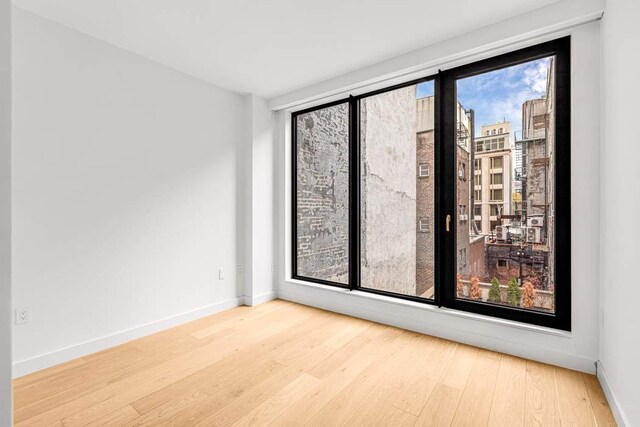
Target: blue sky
(498, 95)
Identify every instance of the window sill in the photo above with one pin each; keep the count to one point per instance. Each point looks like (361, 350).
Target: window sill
(435, 309)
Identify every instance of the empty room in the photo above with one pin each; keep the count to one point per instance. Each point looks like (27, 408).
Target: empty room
(329, 213)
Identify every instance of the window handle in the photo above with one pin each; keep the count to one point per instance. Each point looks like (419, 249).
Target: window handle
(448, 223)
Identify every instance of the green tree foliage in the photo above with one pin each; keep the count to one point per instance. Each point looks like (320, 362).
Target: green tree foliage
(513, 292)
(494, 291)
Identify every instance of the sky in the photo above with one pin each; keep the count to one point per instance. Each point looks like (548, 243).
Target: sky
(499, 95)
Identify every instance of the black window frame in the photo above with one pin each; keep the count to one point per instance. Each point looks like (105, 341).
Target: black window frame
(445, 175)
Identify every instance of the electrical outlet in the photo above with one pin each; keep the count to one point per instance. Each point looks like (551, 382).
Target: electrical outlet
(240, 270)
(22, 316)
(221, 273)
(273, 267)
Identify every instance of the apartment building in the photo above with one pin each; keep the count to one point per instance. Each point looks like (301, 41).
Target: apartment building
(492, 176)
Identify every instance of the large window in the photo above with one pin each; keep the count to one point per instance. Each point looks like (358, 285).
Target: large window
(322, 194)
(382, 200)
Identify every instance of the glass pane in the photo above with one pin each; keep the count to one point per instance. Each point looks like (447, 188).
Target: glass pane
(505, 256)
(397, 202)
(322, 196)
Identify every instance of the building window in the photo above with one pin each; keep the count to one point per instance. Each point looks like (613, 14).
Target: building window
(496, 162)
(462, 171)
(340, 159)
(462, 256)
(424, 225)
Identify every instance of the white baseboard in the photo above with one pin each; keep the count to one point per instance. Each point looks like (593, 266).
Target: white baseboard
(24, 367)
(618, 414)
(522, 340)
(258, 299)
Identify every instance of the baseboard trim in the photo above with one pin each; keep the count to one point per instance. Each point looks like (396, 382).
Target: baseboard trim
(259, 299)
(419, 319)
(618, 414)
(37, 363)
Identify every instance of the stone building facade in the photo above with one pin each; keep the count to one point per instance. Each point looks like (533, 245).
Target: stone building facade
(493, 172)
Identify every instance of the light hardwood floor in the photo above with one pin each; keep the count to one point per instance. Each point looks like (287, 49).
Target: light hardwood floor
(285, 364)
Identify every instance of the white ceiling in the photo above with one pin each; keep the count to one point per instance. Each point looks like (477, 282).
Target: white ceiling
(271, 47)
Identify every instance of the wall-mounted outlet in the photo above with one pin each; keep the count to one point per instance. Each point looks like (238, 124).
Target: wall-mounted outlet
(221, 273)
(273, 267)
(240, 269)
(22, 316)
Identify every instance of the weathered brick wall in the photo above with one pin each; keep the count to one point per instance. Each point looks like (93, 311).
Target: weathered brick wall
(425, 249)
(530, 270)
(463, 199)
(323, 194)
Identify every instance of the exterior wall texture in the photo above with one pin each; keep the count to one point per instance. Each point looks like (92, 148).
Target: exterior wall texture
(388, 150)
(425, 242)
(323, 194)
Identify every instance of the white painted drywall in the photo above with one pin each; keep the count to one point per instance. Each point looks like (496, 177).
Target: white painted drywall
(257, 202)
(5, 213)
(619, 335)
(578, 349)
(124, 175)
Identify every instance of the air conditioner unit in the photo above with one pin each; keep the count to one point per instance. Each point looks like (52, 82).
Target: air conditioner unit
(535, 221)
(532, 235)
(501, 233)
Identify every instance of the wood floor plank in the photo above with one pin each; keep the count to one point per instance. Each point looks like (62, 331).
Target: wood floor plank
(318, 397)
(397, 417)
(475, 404)
(113, 396)
(573, 398)
(541, 403)
(277, 404)
(599, 404)
(116, 418)
(507, 406)
(339, 409)
(435, 359)
(282, 363)
(440, 408)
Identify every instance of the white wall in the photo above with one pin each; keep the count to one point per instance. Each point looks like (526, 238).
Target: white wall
(257, 202)
(5, 212)
(619, 336)
(125, 187)
(578, 349)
